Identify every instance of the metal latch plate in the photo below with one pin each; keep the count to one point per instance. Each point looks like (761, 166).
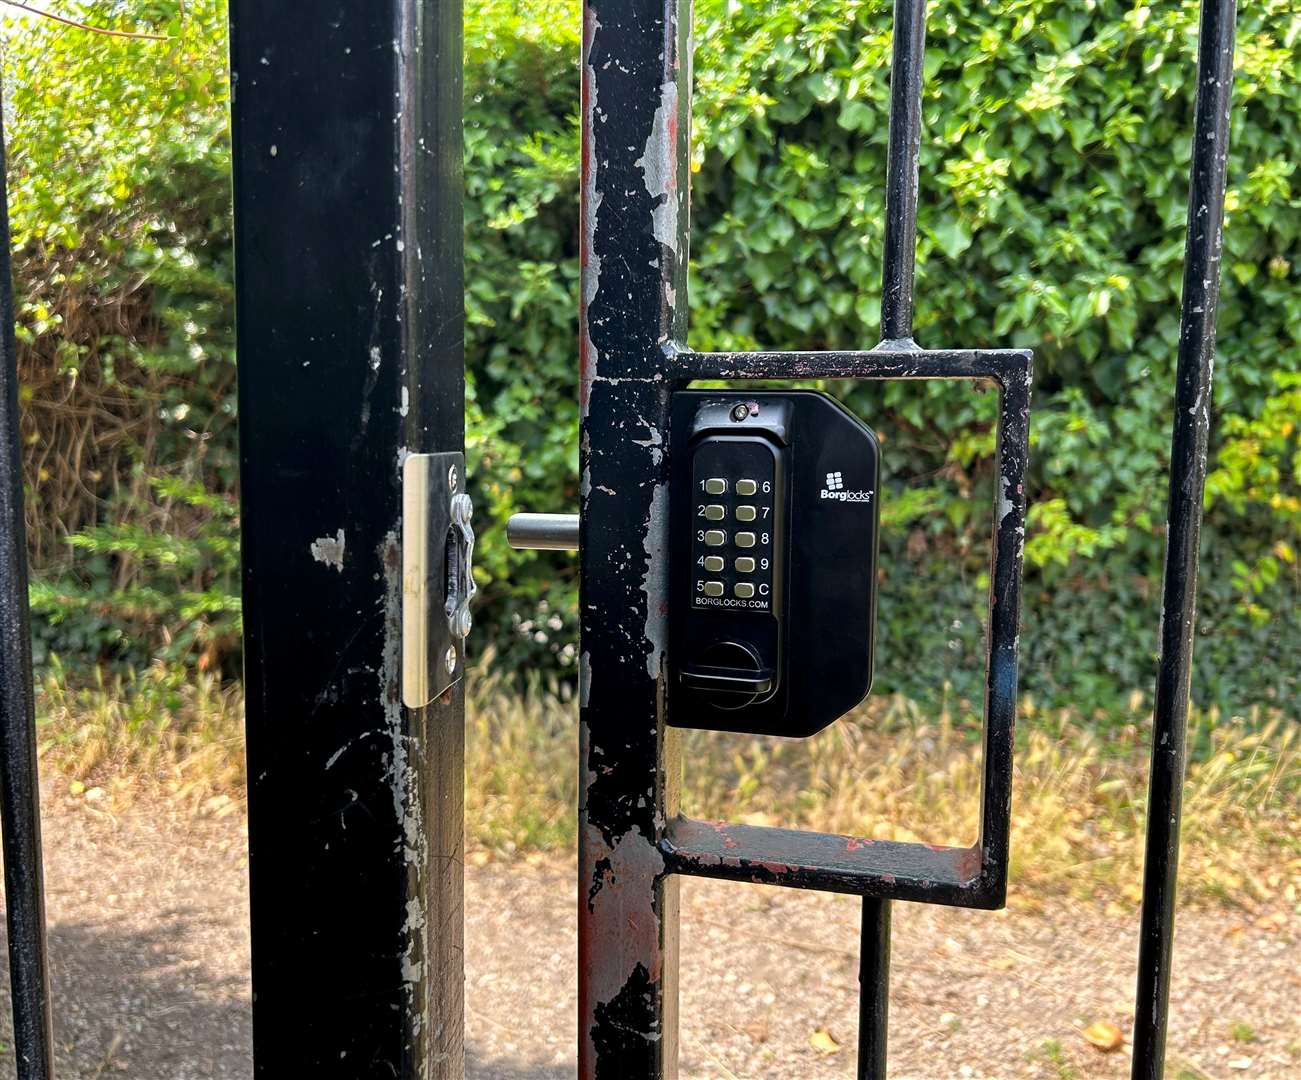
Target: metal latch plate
(437, 579)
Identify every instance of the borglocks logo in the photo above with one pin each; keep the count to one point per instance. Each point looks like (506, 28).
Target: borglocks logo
(835, 490)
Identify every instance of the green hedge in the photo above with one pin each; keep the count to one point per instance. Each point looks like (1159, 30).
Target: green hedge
(1054, 167)
(119, 191)
(1054, 178)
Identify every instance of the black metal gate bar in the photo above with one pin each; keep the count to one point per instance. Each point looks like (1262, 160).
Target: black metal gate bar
(636, 119)
(906, 67)
(20, 806)
(348, 189)
(898, 268)
(1192, 414)
(874, 989)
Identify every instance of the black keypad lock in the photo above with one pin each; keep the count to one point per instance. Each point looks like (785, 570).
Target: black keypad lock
(773, 516)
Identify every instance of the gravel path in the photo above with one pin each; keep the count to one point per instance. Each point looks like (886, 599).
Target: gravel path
(150, 951)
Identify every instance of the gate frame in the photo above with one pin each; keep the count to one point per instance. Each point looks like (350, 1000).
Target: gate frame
(636, 114)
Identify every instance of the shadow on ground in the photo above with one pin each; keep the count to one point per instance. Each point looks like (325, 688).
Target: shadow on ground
(127, 1004)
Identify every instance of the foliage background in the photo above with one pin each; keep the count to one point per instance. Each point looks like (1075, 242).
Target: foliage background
(1054, 179)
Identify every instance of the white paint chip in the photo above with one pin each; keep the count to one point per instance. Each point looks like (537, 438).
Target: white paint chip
(659, 167)
(329, 550)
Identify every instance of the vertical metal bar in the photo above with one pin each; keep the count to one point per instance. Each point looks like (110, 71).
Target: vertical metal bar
(1184, 518)
(906, 68)
(348, 159)
(1003, 641)
(20, 805)
(874, 989)
(636, 117)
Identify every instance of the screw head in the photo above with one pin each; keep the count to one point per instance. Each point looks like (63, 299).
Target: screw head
(450, 659)
(462, 509)
(740, 412)
(453, 477)
(467, 622)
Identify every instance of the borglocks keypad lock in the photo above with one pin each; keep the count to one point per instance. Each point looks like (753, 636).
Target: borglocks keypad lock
(774, 510)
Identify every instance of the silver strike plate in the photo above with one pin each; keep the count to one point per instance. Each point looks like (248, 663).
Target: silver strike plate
(437, 575)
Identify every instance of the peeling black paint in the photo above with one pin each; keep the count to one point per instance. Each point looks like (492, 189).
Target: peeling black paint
(620, 1026)
(634, 296)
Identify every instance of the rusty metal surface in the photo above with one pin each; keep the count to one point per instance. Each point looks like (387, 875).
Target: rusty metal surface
(831, 863)
(636, 92)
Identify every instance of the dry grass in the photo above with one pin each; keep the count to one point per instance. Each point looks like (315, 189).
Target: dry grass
(159, 731)
(886, 772)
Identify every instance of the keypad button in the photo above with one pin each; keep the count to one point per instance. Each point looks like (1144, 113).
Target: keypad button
(744, 564)
(715, 512)
(713, 588)
(745, 513)
(715, 485)
(717, 538)
(714, 563)
(746, 487)
(743, 539)
(743, 590)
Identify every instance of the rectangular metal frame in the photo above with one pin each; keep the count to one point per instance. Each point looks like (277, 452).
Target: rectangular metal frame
(969, 877)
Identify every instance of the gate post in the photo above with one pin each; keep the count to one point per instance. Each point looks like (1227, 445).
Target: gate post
(636, 120)
(348, 163)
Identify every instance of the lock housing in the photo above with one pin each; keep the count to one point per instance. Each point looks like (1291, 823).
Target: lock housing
(774, 511)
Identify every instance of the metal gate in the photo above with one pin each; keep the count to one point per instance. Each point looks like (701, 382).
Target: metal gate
(350, 336)
(633, 843)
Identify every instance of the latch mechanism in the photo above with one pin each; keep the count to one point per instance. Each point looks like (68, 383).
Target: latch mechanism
(437, 575)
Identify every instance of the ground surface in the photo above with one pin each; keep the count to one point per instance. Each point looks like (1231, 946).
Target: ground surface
(150, 952)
